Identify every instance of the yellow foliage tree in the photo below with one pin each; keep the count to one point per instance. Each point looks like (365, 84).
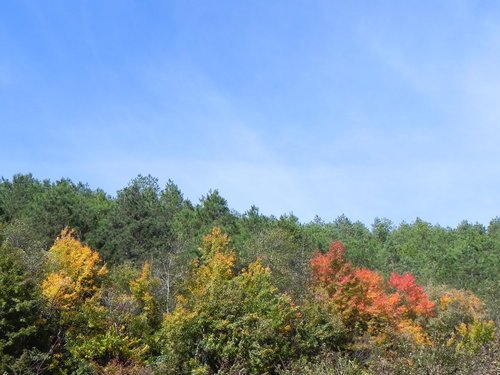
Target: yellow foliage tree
(225, 320)
(75, 272)
(73, 287)
(213, 243)
(142, 289)
(216, 264)
(465, 311)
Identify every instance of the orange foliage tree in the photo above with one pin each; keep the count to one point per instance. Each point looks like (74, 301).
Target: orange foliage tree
(365, 301)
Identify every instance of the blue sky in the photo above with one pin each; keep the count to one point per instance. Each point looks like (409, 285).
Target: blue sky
(363, 108)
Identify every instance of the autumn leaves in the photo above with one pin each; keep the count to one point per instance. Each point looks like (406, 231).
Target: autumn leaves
(366, 302)
(228, 320)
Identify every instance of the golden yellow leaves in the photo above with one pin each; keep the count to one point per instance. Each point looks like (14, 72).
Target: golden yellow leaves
(217, 263)
(214, 242)
(462, 300)
(473, 331)
(75, 272)
(142, 291)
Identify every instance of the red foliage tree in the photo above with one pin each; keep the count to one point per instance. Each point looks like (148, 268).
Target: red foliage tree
(365, 300)
(414, 301)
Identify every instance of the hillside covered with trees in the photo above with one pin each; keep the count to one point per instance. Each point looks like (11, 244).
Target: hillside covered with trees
(149, 282)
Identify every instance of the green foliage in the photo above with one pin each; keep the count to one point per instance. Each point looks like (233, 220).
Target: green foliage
(94, 339)
(326, 364)
(64, 204)
(136, 227)
(18, 234)
(46, 208)
(214, 211)
(228, 322)
(225, 311)
(320, 329)
(17, 197)
(279, 249)
(143, 290)
(410, 360)
(20, 310)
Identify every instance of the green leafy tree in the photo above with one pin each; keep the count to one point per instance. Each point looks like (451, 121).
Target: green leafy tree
(474, 258)
(227, 322)
(21, 322)
(19, 234)
(213, 211)
(137, 230)
(282, 250)
(46, 208)
(171, 200)
(18, 196)
(417, 248)
(363, 249)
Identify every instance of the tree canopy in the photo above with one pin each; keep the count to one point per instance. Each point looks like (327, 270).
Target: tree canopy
(148, 282)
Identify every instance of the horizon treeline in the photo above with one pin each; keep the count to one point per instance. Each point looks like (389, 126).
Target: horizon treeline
(149, 282)
(145, 222)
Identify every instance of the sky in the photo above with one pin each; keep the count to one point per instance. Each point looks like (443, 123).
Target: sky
(363, 108)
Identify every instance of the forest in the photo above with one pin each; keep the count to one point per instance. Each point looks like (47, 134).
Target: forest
(148, 282)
